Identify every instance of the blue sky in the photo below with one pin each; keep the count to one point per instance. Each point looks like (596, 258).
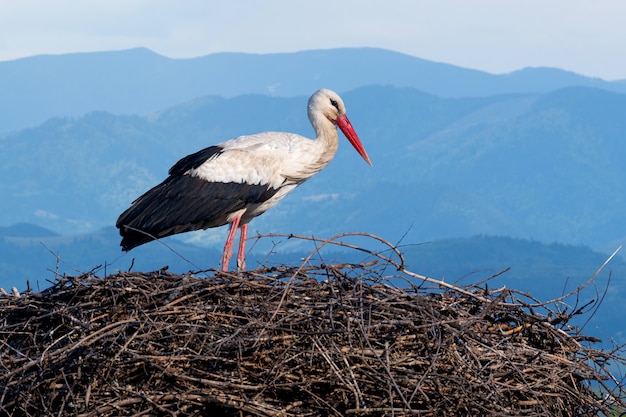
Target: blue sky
(497, 36)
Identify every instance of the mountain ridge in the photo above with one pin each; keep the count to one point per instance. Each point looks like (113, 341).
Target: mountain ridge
(141, 81)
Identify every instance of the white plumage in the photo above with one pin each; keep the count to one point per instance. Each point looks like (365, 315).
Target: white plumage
(264, 158)
(237, 180)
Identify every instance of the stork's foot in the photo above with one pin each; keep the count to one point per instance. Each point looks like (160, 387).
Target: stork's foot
(241, 264)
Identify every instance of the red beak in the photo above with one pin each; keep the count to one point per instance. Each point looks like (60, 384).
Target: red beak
(346, 127)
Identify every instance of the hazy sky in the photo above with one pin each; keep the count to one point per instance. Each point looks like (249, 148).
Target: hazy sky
(585, 36)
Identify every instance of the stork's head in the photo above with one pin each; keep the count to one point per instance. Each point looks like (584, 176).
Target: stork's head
(326, 103)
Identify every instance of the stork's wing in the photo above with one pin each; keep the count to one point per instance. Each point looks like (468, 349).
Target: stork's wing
(184, 203)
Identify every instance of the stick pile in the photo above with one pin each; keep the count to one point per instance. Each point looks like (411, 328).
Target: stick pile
(324, 340)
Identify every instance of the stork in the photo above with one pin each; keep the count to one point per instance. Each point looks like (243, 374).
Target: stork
(234, 181)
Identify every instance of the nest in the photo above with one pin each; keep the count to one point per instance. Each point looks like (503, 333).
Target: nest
(310, 340)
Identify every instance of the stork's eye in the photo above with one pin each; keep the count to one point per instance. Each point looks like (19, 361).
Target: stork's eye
(334, 103)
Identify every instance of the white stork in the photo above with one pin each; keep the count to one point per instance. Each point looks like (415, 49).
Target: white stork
(237, 180)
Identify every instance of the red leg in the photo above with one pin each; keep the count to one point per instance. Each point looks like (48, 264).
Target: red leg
(241, 253)
(228, 247)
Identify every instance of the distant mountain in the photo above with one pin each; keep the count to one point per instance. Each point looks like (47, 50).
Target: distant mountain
(41, 258)
(542, 166)
(139, 81)
(26, 230)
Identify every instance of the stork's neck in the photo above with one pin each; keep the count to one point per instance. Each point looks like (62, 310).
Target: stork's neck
(327, 138)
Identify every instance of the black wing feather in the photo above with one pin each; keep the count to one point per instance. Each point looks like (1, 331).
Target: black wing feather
(195, 160)
(184, 203)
